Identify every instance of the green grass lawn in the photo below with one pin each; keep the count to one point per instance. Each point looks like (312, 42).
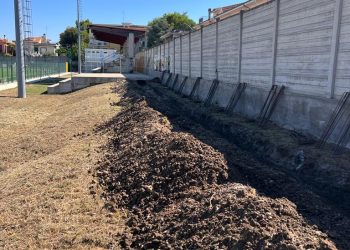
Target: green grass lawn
(36, 89)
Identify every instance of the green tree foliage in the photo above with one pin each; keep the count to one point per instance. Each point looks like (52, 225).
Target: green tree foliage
(167, 23)
(69, 39)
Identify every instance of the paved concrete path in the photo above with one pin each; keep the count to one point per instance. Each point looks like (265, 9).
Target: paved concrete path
(5, 86)
(132, 76)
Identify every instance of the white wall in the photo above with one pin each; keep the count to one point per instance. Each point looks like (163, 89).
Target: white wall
(304, 45)
(343, 66)
(302, 51)
(257, 45)
(196, 54)
(228, 49)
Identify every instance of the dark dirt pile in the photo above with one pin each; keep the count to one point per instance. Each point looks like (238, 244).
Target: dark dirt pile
(228, 216)
(174, 187)
(148, 162)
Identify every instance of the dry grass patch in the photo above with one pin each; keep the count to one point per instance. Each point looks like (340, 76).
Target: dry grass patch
(47, 146)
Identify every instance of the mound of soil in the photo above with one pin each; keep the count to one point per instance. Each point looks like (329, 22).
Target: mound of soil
(176, 190)
(229, 216)
(148, 162)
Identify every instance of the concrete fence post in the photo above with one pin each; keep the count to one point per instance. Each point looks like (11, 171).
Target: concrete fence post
(148, 60)
(169, 56)
(180, 54)
(275, 41)
(174, 55)
(335, 47)
(165, 60)
(201, 67)
(153, 56)
(160, 57)
(240, 46)
(217, 49)
(189, 54)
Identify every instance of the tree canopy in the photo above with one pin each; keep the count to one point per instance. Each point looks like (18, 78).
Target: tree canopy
(69, 39)
(167, 23)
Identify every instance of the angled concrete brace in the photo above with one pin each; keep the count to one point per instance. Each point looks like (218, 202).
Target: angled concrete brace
(182, 85)
(169, 79)
(195, 86)
(175, 81)
(270, 104)
(236, 97)
(162, 77)
(211, 92)
(335, 47)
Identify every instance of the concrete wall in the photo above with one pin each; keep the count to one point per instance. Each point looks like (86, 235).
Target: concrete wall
(343, 61)
(195, 54)
(185, 55)
(289, 42)
(301, 44)
(209, 52)
(257, 36)
(228, 49)
(304, 45)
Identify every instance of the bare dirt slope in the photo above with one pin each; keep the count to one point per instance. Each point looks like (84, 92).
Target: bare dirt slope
(47, 147)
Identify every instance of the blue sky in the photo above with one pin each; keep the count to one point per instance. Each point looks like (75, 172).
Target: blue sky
(52, 18)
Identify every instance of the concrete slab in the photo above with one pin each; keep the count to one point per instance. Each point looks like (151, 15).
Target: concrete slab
(85, 80)
(6, 86)
(63, 87)
(13, 85)
(116, 76)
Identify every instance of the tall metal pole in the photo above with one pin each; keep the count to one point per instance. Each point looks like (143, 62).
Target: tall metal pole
(19, 50)
(79, 38)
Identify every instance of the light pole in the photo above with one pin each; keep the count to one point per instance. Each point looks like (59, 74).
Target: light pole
(21, 78)
(79, 38)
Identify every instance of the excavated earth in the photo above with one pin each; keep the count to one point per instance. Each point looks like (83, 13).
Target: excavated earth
(183, 190)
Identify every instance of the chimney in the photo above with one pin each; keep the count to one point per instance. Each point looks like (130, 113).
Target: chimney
(209, 14)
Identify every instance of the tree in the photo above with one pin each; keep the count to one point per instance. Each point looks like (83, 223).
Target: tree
(69, 39)
(167, 23)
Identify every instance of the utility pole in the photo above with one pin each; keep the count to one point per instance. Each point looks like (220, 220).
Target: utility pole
(79, 38)
(19, 50)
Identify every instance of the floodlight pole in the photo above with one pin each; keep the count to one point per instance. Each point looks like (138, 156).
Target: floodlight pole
(21, 78)
(79, 38)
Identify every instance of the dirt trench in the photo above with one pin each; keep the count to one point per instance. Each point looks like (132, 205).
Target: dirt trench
(321, 205)
(179, 180)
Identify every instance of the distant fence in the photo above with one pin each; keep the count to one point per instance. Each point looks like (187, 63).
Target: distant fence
(302, 44)
(35, 67)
